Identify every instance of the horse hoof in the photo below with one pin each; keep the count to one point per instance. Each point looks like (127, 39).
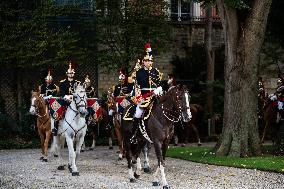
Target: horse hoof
(166, 187)
(55, 155)
(110, 148)
(156, 184)
(41, 158)
(82, 150)
(75, 173)
(136, 176)
(119, 159)
(199, 144)
(147, 170)
(61, 167)
(44, 160)
(70, 169)
(91, 148)
(132, 180)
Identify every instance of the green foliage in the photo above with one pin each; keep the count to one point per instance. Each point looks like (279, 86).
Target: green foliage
(206, 155)
(38, 33)
(126, 26)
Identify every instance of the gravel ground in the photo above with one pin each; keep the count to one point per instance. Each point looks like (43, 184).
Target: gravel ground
(100, 169)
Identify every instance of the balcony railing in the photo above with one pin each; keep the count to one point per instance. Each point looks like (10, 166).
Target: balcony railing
(187, 17)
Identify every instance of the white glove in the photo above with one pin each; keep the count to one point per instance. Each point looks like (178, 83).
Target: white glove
(272, 97)
(47, 97)
(68, 98)
(158, 91)
(280, 105)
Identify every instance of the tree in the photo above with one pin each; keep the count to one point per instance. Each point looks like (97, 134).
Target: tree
(244, 24)
(125, 26)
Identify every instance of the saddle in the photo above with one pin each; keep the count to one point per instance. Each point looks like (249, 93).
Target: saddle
(130, 111)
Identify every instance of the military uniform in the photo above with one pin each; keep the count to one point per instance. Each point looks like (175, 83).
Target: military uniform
(122, 89)
(46, 90)
(90, 91)
(66, 87)
(148, 80)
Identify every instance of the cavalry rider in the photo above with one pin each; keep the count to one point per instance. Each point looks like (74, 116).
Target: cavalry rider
(148, 80)
(123, 88)
(279, 94)
(90, 91)
(66, 90)
(48, 88)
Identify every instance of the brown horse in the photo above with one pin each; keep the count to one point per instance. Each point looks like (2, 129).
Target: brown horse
(159, 127)
(112, 104)
(40, 109)
(182, 128)
(269, 113)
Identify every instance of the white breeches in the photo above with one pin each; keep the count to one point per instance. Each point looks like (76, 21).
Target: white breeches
(139, 111)
(110, 112)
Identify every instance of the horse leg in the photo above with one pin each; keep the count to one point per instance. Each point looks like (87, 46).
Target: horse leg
(129, 162)
(119, 138)
(47, 138)
(57, 145)
(159, 153)
(264, 132)
(79, 143)
(145, 151)
(72, 156)
(94, 141)
(41, 143)
(196, 134)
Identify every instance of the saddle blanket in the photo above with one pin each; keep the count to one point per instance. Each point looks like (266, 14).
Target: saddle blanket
(57, 108)
(122, 103)
(130, 111)
(94, 108)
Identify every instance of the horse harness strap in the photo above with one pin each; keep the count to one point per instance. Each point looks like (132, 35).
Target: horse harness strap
(71, 125)
(173, 118)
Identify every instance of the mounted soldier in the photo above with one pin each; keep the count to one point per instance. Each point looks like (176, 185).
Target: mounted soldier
(148, 81)
(66, 90)
(48, 88)
(90, 90)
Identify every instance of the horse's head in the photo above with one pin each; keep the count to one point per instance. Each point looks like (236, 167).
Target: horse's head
(179, 99)
(183, 100)
(80, 99)
(37, 103)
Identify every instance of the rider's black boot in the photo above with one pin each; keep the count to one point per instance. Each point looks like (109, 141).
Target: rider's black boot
(55, 129)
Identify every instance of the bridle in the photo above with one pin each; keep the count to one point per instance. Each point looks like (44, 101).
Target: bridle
(37, 108)
(170, 114)
(79, 104)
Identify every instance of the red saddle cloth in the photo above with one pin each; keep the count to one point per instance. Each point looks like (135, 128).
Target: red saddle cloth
(57, 108)
(94, 108)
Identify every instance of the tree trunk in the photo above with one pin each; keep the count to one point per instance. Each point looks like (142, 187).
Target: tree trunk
(210, 59)
(244, 33)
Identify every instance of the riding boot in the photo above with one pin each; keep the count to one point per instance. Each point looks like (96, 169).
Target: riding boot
(55, 129)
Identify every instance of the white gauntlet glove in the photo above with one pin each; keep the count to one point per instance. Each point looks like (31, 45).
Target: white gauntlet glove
(158, 91)
(272, 97)
(47, 97)
(68, 98)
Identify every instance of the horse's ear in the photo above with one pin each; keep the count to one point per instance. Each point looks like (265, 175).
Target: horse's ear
(84, 85)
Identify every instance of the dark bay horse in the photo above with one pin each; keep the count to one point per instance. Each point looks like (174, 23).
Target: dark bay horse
(182, 128)
(40, 109)
(168, 109)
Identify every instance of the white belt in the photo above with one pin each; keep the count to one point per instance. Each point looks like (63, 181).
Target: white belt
(148, 89)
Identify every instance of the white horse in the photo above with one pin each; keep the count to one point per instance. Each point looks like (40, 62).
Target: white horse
(73, 127)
